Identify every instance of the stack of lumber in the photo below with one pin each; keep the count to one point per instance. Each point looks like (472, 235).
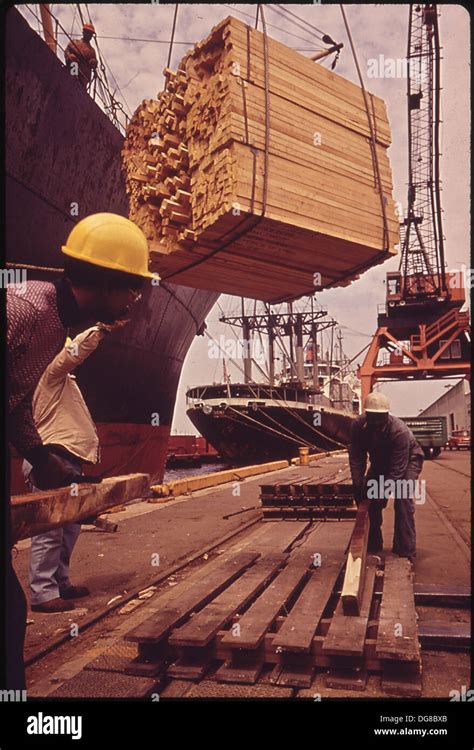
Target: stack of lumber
(195, 160)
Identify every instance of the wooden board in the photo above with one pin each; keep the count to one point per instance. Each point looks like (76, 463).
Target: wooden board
(397, 637)
(442, 595)
(296, 634)
(347, 633)
(353, 586)
(38, 512)
(402, 679)
(172, 609)
(439, 634)
(253, 625)
(200, 630)
(276, 536)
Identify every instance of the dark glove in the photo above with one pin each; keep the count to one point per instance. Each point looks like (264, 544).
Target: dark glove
(50, 470)
(87, 479)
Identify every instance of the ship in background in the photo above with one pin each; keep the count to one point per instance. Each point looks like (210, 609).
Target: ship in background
(63, 152)
(310, 403)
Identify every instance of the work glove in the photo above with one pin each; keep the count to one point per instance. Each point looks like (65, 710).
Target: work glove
(51, 470)
(87, 479)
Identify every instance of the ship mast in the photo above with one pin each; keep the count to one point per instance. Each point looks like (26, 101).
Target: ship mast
(277, 326)
(246, 337)
(314, 339)
(47, 23)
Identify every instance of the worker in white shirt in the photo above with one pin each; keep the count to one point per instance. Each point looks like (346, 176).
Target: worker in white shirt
(63, 420)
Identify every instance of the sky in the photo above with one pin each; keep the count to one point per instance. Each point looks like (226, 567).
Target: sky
(378, 29)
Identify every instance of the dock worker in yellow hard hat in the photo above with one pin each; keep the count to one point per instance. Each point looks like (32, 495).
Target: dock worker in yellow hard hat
(106, 266)
(396, 461)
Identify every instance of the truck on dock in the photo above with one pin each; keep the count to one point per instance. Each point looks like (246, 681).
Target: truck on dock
(431, 433)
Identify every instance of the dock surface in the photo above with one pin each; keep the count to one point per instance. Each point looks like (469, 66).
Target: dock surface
(177, 535)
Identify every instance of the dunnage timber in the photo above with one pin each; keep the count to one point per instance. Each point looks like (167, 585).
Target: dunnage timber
(292, 624)
(254, 170)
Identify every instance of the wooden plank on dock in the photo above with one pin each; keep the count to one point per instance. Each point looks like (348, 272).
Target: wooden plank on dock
(397, 637)
(353, 586)
(402, 679)
(439, 634)
(261, 615)
(296, 633)
(39, 512)
(442, 595)
(276, 536)
(176, 605)
(202, 628)
(247, 642)
(347, 633)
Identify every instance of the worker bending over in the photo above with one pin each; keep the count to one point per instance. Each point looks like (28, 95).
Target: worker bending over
(395, 457)
(106, 265)
(80, 56)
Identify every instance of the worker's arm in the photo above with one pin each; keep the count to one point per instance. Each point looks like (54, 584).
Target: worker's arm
(357, 460)
(74, 354)
(22, 432)
(70, 54)
(50, 469)
(21, 324)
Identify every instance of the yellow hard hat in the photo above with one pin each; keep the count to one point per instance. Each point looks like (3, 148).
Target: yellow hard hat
(110, 241)
(377, 402)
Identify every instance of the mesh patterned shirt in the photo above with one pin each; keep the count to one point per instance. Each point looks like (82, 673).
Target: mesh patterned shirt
(37, 321)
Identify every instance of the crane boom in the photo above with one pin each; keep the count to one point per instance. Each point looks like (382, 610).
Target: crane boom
(422, 256)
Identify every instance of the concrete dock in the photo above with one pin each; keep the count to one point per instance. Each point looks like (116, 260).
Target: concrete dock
(116, 565)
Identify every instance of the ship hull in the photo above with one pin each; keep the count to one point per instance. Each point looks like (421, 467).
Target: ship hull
(63, 162)
(243, 435)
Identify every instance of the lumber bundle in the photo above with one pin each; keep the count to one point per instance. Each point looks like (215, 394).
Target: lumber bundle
(240, 197)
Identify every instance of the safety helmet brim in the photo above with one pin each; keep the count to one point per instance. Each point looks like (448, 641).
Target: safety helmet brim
(109, 264)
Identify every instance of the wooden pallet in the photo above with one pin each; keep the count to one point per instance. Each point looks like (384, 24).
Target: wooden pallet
(274, 604)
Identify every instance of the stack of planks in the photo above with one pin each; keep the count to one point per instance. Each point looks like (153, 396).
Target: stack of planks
(262, 193)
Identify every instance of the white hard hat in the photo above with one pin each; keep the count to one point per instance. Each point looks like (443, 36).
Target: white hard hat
(377, 402)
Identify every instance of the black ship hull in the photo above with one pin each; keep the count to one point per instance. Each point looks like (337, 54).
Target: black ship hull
(246, 435)
(63, 162)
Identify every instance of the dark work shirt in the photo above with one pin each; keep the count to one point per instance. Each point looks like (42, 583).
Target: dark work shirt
(37, 322)
(390, 450)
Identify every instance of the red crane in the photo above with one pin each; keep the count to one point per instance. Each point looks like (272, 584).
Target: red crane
(421, 331)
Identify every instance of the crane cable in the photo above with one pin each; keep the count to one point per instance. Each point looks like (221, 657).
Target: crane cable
(170, 51)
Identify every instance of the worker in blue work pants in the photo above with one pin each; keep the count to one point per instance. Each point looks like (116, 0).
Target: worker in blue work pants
(396, 461)
(51, 554)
